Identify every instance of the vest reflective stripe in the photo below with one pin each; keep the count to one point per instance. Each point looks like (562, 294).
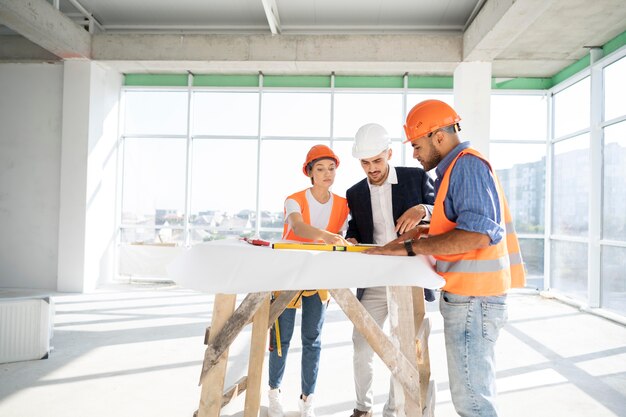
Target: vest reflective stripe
(482, 272)
(474, 266)
(515, 259)
(338, 216)
(509, 227)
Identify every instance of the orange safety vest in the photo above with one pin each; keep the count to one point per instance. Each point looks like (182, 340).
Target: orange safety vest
(338, 216)
(482, 272)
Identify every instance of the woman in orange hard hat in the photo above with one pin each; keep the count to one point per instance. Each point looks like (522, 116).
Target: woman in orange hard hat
(311, 215)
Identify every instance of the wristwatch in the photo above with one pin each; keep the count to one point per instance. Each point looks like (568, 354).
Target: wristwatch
(408, 245)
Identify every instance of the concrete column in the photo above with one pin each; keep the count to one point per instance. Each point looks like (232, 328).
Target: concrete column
(88, 174)
(472, 101)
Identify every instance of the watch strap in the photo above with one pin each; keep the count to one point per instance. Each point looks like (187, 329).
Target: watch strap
(408, 245)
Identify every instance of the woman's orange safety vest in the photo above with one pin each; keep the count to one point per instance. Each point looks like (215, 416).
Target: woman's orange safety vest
(482, 272)
(338, 216)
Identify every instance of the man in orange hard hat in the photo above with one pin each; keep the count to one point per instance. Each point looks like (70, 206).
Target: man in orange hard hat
(384, 205)
(472, 238)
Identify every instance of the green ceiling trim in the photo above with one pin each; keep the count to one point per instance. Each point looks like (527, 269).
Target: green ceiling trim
(218, 80)
(155, 80)
(615, 43)
(571, 70)
(608, 48)
(416, 81)
(344, 81)
(521, 83)
(310, 81)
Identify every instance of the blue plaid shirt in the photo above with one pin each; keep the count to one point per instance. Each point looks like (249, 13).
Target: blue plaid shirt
(472, 200)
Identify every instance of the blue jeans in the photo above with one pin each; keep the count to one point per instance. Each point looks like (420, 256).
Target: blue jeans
(313, 313)
(471, 326)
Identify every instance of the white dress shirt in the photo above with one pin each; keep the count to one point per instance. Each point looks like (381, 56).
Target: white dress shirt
(382, 208)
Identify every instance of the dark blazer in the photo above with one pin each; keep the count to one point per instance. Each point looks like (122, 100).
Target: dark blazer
(414, 187)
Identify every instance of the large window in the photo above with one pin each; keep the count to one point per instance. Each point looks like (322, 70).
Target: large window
(208, 163)
(613, 259)
(570, 189)
(518, 153)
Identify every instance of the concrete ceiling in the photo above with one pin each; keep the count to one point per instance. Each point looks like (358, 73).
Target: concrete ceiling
(522, 38)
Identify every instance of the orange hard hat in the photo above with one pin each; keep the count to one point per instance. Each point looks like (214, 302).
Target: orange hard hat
(318, 152)
(428, 116)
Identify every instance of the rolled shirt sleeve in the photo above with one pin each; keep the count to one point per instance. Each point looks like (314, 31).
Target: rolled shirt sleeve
(472, 201)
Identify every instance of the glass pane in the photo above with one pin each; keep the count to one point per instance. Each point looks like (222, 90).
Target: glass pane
(353, 110)
(614, 207)
(155, 112)
(281, 173)
(413, 98)
(614, 279)
(272, 235)
(517, 117)
(223, 185)
(615, 90)
(296, 114)
(522, 173)
(199, 235)
(350, 171)
(532, 253)
(154, 181)
(146, 235)
(568, 272)
(570, 209)
(571, 108)
(229, 114)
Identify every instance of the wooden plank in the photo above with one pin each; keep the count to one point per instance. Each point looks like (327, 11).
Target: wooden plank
(207, 332)
(212, 381)
(423, 356)
(401, 368)
(419, 305)
(429, 404)
(279, 304)
(258, 344)
(232, 392)
(227, 334)
(402, 330)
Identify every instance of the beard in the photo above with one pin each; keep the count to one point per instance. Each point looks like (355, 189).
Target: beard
(432, 160)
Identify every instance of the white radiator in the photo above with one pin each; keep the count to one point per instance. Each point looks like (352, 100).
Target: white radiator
(25, 328)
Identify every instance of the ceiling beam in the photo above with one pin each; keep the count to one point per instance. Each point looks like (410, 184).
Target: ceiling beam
(295, 54)
(357, 48)
(41, 23)
(499, 24)
(15, 48)
(271, 12)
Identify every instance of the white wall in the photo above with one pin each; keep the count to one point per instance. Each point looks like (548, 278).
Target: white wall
(30, 156)
(88, 172)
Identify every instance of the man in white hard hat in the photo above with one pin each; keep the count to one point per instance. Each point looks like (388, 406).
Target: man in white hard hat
(389, 202)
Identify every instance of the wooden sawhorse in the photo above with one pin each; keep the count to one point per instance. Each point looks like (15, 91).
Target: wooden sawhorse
(404, 351)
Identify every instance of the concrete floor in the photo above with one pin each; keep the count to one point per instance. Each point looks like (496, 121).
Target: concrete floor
(136, 350)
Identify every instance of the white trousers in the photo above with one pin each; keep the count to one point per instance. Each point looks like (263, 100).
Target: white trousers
(375, 302)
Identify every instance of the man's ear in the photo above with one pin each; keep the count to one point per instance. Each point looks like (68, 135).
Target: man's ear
(390, 152)
(439, 137)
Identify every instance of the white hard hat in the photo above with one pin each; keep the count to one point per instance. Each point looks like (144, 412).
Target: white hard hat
(370, 140)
